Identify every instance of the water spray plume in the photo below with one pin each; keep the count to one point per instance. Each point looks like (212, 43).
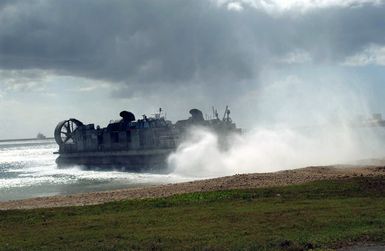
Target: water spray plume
(263, 150)
(327, 137)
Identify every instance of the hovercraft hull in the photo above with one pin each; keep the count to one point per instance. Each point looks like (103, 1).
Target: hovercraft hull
(154, 160)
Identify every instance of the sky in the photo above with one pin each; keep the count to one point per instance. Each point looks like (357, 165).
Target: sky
(299, 62)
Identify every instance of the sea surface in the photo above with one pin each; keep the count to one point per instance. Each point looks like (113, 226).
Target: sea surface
(28, 169)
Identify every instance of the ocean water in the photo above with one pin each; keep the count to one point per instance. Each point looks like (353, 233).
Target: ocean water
(28, 169)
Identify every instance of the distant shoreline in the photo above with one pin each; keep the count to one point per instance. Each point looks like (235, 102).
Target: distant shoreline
(30, 139)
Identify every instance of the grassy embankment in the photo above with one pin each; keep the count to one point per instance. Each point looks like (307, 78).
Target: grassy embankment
(320, 214)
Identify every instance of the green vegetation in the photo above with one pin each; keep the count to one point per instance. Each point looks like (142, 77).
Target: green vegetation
(322, 214)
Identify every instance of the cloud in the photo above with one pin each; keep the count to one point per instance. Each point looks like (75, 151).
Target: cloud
(142, 54)
(23, 80)
(236, 6)
(371, 55)
(138, 41)
(280, 6)
(143, 46)
(296, 57)
(94, 87)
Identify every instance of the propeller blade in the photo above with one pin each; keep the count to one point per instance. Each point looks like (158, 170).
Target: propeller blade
(66, 125)
(66, 133)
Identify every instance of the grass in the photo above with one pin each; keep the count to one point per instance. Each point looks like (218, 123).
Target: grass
(322, 214)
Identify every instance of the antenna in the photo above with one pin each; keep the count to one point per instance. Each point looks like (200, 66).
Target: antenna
(224, 114)
(215, 113)
(228, 115)
(159, 114)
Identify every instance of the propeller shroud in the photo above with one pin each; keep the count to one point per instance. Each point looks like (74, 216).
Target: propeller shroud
(65, 131)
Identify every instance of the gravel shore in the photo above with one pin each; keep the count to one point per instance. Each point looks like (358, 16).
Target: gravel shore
(255, 180)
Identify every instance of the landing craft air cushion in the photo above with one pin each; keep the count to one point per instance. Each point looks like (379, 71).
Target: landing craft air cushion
(130, 144)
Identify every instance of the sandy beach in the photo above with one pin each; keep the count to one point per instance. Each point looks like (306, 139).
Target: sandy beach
(242, 181)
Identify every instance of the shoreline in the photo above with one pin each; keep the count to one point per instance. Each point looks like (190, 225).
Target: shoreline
(238, 181)
(26, 139)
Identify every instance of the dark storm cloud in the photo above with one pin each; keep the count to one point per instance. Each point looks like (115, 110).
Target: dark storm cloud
(145, 41)
(173, 41)
(333, 34)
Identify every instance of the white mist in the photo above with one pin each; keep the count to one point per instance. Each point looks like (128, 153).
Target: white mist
(303, 124)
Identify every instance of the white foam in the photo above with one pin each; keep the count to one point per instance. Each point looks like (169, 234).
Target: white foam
(270, 150)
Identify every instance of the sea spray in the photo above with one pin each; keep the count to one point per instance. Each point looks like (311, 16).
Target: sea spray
(274, 149)
(297, 121)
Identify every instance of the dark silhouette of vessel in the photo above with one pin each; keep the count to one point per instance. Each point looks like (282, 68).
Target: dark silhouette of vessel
(40, 136)
(130, 144)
